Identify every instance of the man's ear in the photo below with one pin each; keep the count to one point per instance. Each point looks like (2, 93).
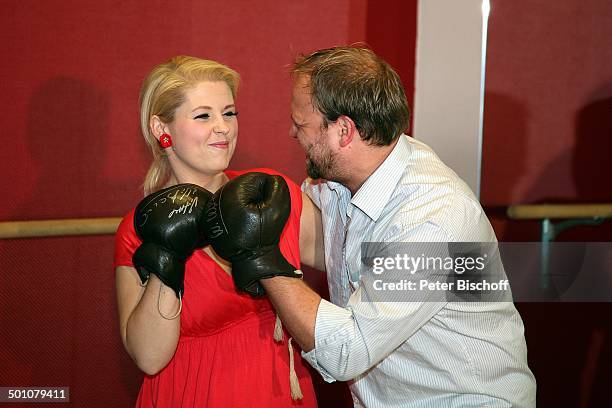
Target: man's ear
(346, 129)
(157, 126)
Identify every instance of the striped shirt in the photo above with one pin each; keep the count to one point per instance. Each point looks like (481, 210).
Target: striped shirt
(412, 354)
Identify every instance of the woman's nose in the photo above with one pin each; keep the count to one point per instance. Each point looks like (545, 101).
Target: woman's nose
(221, 127)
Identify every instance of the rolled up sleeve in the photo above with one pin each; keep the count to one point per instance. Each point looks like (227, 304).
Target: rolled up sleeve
(348, 341)
(332, 328)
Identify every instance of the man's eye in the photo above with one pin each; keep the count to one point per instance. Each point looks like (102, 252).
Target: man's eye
(203, 116)
(230, 114)
(296, 124)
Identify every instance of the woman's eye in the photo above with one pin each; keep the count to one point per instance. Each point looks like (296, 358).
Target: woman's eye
(230, 114)
(203, 116)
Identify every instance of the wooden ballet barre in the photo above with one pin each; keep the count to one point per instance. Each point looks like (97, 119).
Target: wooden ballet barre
(59, 228)
(572, 214)
(554, 211)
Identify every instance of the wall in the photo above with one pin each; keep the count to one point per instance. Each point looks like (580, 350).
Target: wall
(547, 138)
(547, 102)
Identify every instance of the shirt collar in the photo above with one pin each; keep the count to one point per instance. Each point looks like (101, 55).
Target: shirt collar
(376, 191)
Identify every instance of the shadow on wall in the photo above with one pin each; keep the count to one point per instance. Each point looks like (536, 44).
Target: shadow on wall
(592, 173)
(59, 324)
(579, 334)
(588, 162)
(592, 161)
(504, 147)
(504, 152)
(67, 129)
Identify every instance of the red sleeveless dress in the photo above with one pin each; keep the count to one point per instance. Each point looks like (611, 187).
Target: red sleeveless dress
(226, 355)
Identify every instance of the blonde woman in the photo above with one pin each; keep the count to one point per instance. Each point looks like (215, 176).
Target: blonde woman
(205, 344)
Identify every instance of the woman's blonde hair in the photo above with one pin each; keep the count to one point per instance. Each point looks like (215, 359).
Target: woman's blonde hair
(163, 91)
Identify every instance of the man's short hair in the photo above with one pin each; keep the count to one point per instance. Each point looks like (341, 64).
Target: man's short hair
(355, 82)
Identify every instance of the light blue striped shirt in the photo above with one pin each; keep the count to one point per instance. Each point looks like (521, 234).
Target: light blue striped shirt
(412, 354)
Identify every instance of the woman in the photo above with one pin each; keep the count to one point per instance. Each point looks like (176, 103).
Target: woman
(215, 347)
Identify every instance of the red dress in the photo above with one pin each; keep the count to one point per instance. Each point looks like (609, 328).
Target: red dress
(226, 355)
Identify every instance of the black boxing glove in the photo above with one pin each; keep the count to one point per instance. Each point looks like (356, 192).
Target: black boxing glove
(244, 221)
(169, 224)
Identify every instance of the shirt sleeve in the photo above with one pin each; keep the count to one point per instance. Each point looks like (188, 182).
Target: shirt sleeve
(312, 188)
(350, 340)
(126, 242)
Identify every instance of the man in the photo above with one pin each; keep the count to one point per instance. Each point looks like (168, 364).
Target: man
(372, 183)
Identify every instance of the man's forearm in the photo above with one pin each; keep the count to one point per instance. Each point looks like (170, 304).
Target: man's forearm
(297, 306)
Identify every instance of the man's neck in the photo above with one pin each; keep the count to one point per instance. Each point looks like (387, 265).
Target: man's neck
(363, 162)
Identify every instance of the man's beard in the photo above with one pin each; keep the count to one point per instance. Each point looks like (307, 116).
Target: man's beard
(323, 166)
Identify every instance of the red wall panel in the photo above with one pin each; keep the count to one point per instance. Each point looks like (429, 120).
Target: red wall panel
(547, 138)
(548, 97)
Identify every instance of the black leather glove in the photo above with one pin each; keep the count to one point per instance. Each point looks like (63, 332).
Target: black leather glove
(244, 221)
(169, 224)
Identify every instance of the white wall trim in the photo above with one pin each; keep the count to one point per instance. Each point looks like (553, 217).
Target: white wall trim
(449, 82)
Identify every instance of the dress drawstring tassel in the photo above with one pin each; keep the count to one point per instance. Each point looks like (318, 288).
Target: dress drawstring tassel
(294, 383)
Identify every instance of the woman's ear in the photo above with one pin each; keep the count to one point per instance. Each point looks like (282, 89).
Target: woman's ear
(347, 130)
(157, 127)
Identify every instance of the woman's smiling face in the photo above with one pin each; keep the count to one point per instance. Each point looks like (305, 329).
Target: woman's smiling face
(204, 131)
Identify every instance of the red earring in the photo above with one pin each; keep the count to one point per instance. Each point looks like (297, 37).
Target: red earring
(165, 141)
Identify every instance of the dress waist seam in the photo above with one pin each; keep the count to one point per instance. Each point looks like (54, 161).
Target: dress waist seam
(253, 318)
